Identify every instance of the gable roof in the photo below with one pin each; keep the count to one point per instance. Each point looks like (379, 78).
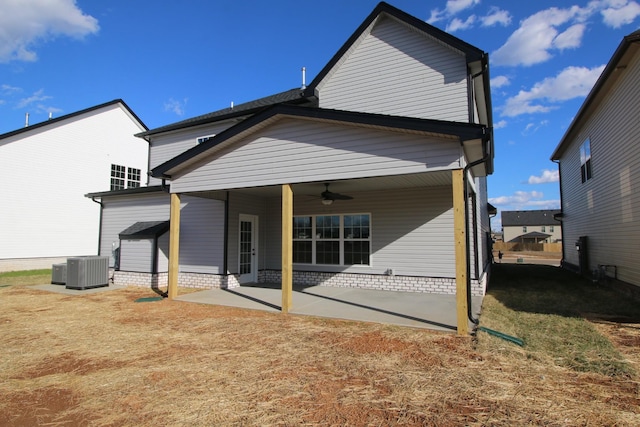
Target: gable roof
(628, 47)
(471, 52)
(476, 59)
(72, 115)
(533, 217)
(462, 131)
(292, 96)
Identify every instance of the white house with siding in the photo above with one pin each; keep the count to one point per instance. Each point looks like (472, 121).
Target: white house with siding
(48, 167)
(373, 176)
(599, 162)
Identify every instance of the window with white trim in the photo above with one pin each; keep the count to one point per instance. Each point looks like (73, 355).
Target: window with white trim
(123, 177)
(332, 239)
(585, 161)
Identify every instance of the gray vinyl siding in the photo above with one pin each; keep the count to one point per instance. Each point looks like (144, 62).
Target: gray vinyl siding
(398, 71)
(306, 151)
(411, 230)
(201, 235)
(122, 212)
(247, 205)
(135, 255)
(166, 147)
(201, 232)
(606, 208)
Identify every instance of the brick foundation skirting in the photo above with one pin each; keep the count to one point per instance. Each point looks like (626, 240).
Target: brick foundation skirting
(434, 285)
(187, 280)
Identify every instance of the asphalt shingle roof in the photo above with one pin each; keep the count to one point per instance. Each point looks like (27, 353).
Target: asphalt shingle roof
(537, 217)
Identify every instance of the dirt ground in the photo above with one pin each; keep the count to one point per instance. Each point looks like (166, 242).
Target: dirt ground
(106, 360)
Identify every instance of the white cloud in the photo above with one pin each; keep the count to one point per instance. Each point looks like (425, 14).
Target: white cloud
(524, 200)
(496, 16)
(8, 90)
(570, 38)
(452, 8)
(33, 99)
(572, 82)
(24, 23)
(499, 81)
(455, 6)
(620, 12)
(177, 107)
(458, 24)
(538, 35)
(501, 124)
(546, 177)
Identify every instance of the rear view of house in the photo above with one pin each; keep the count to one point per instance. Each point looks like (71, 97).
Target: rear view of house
(599, 158)
(46, 170)
(372, 176)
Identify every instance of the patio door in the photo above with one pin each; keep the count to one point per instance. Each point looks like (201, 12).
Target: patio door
(248, 249)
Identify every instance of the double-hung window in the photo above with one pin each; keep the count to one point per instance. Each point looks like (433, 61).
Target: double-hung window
(585, 161)
(332, 239)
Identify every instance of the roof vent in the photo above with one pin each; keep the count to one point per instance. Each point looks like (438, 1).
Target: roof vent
(304, 78)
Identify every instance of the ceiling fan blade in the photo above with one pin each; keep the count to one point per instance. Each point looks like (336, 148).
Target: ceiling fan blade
(337, 196)
(328, 195)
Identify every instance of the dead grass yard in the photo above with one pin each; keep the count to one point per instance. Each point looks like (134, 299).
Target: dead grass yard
(104, 360)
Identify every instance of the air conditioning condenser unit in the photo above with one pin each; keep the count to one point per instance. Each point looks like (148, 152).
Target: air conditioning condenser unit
(87, 272)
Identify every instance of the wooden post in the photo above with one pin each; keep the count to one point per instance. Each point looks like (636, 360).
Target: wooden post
(287, 247)
(460, 250)
(174, 245)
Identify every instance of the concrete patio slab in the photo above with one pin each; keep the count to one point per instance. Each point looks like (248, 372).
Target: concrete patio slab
(419, 310)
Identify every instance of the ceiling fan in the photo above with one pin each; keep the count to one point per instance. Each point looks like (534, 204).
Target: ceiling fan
(328, 197)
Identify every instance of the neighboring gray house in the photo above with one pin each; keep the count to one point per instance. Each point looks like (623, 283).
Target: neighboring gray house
(373, 176)
(599, 162)
(531, 226)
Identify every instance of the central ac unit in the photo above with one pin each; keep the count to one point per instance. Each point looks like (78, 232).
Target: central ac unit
(87, 272)
(59, 274)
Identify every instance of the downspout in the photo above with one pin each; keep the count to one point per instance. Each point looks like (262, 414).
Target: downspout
(561, 209)
(466, 227)
(99, 224)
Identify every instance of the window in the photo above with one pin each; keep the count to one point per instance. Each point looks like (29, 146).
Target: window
(133, 178)
(524, 229)
(543, 229)
(332, 239)
(202, 139)
(118, 175)
(551, 229)
(585, 160)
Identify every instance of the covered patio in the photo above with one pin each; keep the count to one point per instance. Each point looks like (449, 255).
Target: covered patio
(410, 309)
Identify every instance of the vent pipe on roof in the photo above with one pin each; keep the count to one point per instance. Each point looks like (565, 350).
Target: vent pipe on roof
(232, 105)
(304, 78)
(50, 115)
(26, 120)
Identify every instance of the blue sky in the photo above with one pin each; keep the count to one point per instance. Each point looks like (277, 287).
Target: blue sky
(172, 60)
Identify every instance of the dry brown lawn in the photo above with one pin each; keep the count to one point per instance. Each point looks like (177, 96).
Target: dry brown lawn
(105, 360)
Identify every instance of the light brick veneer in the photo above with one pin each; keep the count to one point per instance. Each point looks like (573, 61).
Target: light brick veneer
(434, 285)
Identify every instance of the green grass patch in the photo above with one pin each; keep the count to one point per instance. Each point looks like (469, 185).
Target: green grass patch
(25, 277)
(545, 306)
